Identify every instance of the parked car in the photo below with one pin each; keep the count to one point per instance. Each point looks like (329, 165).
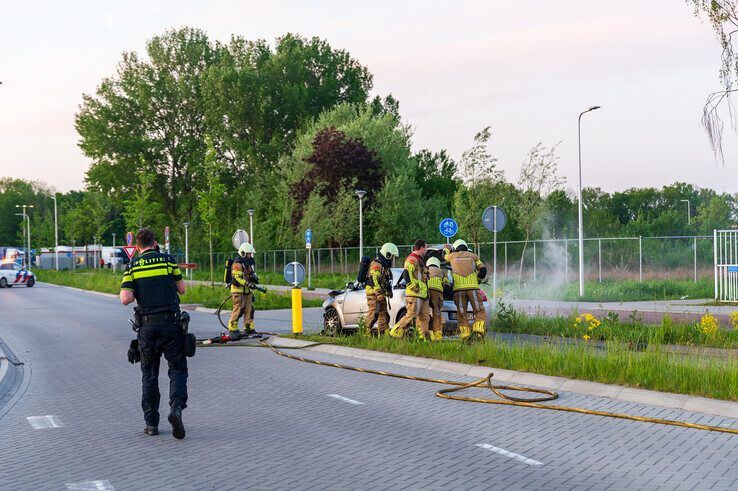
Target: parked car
(344, 309)
(12, 274)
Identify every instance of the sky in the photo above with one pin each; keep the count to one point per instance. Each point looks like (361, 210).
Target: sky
(525, 68)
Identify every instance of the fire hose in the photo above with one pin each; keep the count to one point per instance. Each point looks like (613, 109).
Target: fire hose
(457, 386)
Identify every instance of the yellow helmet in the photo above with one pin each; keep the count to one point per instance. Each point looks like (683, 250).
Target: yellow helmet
(460, 242)
(434, 262)
(246, 248)
(389, 250)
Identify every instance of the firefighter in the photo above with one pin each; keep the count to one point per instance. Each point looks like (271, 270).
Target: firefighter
(467, 270)
(379, 288)
(416, 293)
(437, 282)
(243, 279)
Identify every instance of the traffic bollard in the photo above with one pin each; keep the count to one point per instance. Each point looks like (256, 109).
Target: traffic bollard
(297, 310)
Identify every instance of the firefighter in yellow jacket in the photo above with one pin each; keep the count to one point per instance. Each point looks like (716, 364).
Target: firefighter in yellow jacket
(416, 294)
(379, 288)
(437, 280)
(243, 278)
(467, 270)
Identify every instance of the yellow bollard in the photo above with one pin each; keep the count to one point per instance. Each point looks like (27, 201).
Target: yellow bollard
(297, 310)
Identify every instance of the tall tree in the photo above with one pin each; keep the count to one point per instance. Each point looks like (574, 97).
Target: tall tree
(150, 118)
(477, 164)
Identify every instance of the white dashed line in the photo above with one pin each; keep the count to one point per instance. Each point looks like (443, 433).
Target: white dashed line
(103, 485)
(507, 453)
(344, 399)
(44, 422)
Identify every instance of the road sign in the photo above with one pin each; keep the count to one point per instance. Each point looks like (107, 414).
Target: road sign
(129, 238)
(732, 269)
(239, 238)
(492, 223)
(69, 254)
(187, 265)
(294, 273)
(308, 237)
(130, 251)
(448, 227)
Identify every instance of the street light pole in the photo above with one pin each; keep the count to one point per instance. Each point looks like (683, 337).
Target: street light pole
(360, 193)
(251, 225)
(28, 225)
(689, 210)
(581, 221)
(114, 259)
(187, 246)
(56, 235)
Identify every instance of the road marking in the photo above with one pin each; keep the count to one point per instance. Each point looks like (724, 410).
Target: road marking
(344, 399)
(507, 453)
(102, 485)
(44, 422)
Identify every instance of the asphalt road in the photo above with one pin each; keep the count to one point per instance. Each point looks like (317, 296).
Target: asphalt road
(258, 420)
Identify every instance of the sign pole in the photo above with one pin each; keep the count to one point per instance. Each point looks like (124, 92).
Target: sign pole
(494, 260)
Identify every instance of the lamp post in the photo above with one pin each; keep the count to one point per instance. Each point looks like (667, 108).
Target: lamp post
(689, 210)
(581, 221)
(360, 193)
(56, 235)
(28, 224)
(187, 245)
(251, 225)
(114, 259)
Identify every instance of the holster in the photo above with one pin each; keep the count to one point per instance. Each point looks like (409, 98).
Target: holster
(190, 343)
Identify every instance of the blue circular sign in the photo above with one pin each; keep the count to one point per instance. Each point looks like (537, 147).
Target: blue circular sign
(294, 273)
(69, 254)
(448, 227)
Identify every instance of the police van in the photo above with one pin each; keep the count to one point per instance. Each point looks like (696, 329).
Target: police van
(12, 274)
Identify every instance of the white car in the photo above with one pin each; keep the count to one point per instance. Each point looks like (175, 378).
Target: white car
(344, 309)
(11, 274)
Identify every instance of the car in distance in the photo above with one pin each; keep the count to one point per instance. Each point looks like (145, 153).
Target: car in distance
(11, 274)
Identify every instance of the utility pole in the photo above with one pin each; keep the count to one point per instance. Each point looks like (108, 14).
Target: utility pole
(28, 224)
(360, 193)
(581, 221)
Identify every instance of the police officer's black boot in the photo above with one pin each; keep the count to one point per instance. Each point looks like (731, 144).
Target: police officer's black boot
(151, 430)
(175, 419)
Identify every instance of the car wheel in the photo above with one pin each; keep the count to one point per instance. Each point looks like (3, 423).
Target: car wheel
(331, 323)
(3, 282)
(31, 281)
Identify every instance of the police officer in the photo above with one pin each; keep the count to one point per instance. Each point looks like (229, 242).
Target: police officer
(379, 288)
(243, 279)
(155, 282)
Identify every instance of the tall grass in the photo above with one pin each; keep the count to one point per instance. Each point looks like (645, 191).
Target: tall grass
(616, 364)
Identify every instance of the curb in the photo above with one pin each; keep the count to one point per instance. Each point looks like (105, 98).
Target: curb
(669, 400)
(4, 364)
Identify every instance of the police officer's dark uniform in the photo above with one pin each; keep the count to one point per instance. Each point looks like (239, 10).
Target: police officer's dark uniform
(152, 277)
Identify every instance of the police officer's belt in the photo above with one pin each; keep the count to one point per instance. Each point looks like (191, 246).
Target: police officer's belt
(165, 317)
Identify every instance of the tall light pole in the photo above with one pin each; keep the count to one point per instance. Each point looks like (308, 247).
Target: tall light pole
(689, 210)
(56, 235)
(251, 225)
(114, 260)
(581, 221)
(360, 193)
(187, 246)
(28, 224)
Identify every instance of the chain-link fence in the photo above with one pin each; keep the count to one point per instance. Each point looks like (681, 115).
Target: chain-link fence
(554, 260)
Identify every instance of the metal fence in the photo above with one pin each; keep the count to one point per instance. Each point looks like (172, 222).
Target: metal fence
(553, 260)
(726, 265)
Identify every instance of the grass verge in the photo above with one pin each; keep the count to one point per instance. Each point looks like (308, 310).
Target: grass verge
(107, 282)
(616, 364)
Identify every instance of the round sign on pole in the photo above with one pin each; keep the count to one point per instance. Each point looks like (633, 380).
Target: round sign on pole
(448, 227)
(294, 273)
(239, 237)
(494, 219)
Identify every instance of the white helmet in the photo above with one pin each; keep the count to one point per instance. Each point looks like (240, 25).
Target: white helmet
(389, 250)
(460, 242)
(434, 262)
(246, 248)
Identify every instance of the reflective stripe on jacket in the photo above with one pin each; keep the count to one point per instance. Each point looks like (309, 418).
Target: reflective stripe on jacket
(464, 267)
(418, 286)
(239, 281)
(436, 279)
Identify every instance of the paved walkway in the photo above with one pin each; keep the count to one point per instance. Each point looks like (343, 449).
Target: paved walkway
(260, 421)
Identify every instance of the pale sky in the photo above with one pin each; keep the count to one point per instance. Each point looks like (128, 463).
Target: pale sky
(526, 68)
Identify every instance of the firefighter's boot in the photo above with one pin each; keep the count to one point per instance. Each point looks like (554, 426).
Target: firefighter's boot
(464, 333)
(396, 332)
(436, 335)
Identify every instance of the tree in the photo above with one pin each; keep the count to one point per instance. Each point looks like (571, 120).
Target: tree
(142, 209)
(717, 214)
(150, 118)
(471, 201)
(723, 17)
(477, 163)
(435, 174)
(538, 178)
(211, 200)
